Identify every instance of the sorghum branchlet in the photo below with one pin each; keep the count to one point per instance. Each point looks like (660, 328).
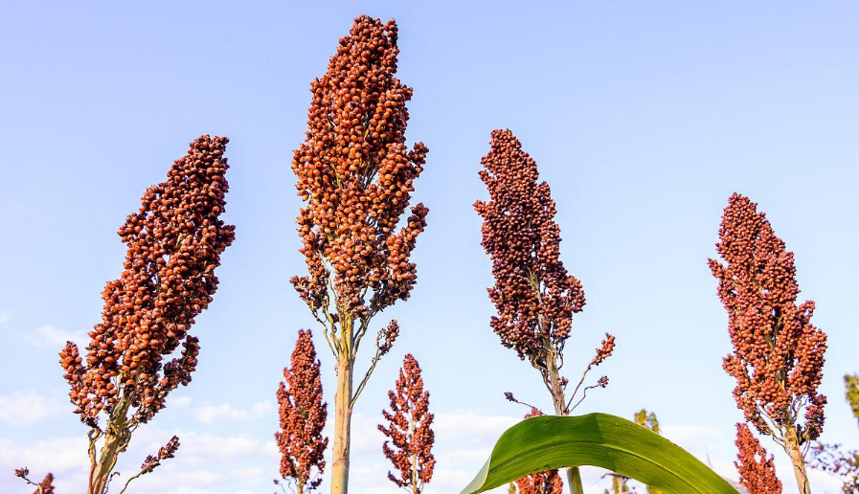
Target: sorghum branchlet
(548, 482)
(757, 471)
(165, 452)
(356, 176)
(46, 486)
(174, 245)
(409, 430)
(534, 295)
(778, 353)
(302, 418)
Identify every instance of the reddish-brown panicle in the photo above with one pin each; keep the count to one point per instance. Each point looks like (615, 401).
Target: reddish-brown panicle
(548, 482)
(302, 418)
(46, 486)
(757, 471)
(409, 430)
(174, 246)
(778, 353)
(534, 295)
(356, 176)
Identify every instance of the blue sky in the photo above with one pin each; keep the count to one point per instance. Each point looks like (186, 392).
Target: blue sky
(643, 116)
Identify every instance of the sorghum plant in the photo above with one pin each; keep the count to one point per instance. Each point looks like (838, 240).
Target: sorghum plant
(302, 418)
(356, 176)
(851, 385)
(833, 458)
(548, 482)
(647, 420)
(534, 294)
(619, 483)
(845, 464)
(650, 422)
(409, 430)
(757, 471)
(174, 245)
(778, 353)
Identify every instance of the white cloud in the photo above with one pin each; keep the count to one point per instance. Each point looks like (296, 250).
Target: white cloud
(55, 337)
(60, 456)
(208, 413)
(251, 475)
(688, 435)
(5, 317)
(203, 447)
(23, 409)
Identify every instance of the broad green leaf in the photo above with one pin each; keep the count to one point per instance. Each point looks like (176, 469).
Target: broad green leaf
(546, 443)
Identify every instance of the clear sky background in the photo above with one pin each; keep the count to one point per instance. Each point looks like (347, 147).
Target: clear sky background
(643, 116)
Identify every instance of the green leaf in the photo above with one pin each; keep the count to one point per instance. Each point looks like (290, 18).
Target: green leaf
(546, 443)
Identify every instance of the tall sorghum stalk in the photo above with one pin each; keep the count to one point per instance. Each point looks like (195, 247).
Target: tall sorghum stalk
(778, 353)
(409, 430)
(302, 417)
(534, 295)
(757, 471)
(174, 245)
(356, 176)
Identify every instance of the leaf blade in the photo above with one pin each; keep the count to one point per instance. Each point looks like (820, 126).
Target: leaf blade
(601, 440)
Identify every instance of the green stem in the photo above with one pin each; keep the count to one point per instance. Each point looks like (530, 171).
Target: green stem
(574, 477)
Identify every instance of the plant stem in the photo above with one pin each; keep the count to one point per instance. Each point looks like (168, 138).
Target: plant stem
(342, 426)
(116, 439)
(573, 476)
(792, 448)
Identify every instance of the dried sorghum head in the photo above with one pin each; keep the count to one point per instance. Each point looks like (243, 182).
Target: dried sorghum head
(534, 295)
(409, 429)
(757, 471)
(356, 176)
(302, 417)
(778, 352)
(174, 245)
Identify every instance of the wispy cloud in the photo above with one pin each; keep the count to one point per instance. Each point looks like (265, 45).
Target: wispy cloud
(208, 413)
(54, 337)
(24, 409)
